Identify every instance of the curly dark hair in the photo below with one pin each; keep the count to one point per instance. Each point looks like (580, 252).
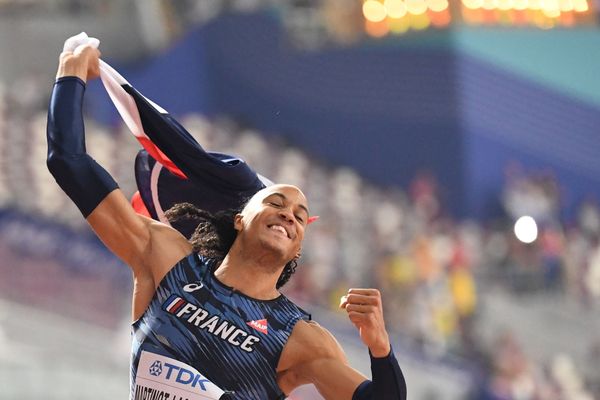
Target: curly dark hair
(215, 234)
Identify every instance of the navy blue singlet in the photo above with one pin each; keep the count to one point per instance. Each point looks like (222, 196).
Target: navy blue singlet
(200, 339)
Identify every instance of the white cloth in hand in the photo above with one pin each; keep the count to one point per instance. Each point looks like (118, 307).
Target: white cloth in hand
(75, 41)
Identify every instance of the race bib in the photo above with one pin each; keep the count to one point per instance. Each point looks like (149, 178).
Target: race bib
(163, 378)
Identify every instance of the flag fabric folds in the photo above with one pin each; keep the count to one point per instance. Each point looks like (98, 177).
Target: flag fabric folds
(173, 167)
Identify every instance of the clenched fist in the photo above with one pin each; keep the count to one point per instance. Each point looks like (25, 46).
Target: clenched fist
(365, 310)
(80, 57)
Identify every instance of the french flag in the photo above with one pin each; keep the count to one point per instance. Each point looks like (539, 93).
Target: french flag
(173, 167)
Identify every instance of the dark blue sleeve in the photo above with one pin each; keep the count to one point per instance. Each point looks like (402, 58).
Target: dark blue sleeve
(79, 176)
(388, 381)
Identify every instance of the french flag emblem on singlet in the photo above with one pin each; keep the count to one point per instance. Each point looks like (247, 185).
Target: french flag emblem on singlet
(173, 304)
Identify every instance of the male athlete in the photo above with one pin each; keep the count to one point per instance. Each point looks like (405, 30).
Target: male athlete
(214, 328)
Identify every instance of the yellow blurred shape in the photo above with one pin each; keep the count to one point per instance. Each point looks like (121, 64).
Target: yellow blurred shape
(416, 7)
(473, 4)
(374, 11)
(437, 5)
(395, 8)
(565, 5)
(505, 4)
(463, 289)
(520, 4)
(489, 4)
(402, 269)
(581, 6)
(420, 22)
(399, 26)
(541, 21)
(550, 8)
(535, 4)
(444, 319)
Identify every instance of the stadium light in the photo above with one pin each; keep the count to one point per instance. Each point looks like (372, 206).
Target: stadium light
(526, 229)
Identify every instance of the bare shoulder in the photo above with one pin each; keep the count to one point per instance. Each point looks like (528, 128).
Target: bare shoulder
(310, 332)
(310, 341)
(166, 246)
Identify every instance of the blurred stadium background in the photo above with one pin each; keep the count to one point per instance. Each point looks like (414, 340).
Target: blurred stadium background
(421, 131)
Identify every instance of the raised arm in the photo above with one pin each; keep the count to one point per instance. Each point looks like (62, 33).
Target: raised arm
(312, 355)
(88, 185)
(365, 309)
(91, 188)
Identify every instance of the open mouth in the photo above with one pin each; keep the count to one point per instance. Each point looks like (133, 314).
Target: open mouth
(280, 229)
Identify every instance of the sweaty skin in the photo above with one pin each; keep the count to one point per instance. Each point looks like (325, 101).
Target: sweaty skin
(270, 233)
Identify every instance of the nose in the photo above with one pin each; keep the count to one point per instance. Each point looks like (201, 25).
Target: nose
(287, 216)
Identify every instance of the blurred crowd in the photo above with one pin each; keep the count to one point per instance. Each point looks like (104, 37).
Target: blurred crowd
(510, 374)
(566, 256)
(430, 268)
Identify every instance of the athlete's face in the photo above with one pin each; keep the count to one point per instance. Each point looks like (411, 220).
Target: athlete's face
(275, 217)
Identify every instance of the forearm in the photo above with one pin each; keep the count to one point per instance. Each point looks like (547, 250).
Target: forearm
(81, 178)
(388, 381)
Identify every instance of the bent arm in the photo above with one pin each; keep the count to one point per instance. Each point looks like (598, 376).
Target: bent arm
(365, 310)
(89, 186)
(312, 355)
(337, 380)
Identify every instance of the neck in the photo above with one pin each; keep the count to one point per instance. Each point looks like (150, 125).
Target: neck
(255, 277)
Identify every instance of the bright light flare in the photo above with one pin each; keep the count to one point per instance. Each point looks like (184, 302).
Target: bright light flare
(520, 5)
(535, 4)
(565, 5)
(550, 8)
(374, 11)
(490, 4)
(395, 8)
(437, 5)
(526, 229)
(581, 5)
(416, 7)
(505, 5)
(473, 4)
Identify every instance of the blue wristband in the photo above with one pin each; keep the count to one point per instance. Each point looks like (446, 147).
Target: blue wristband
(388, 381)
(80, 177)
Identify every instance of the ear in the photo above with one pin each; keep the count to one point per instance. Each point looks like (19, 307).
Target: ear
(238, 222)
(298, 254)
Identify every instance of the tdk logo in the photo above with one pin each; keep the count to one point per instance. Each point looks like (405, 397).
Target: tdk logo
(180, 375)
(156, 368)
